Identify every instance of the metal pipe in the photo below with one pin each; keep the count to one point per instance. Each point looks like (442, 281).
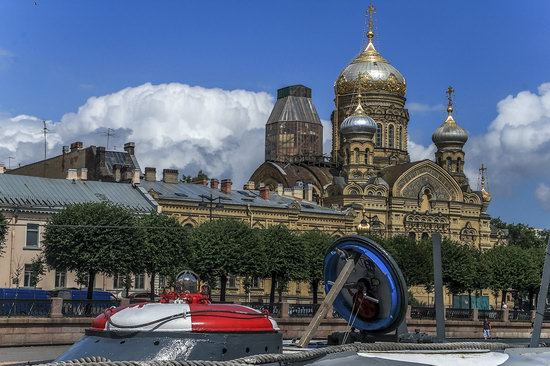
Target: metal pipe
(438, 287)
(541, 301)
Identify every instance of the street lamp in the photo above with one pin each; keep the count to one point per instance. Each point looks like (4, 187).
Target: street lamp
(368, 223)
(211, 199)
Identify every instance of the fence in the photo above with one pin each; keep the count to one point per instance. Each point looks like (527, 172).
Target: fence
(459, 314)
(25, 307)
(422, 313)
(272, 309)
(76, 308)
(302, 310)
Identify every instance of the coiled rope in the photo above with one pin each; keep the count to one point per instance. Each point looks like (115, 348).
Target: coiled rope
(303, 356)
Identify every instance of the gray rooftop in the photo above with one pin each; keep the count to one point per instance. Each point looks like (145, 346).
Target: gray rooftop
(50, 194)
(193, 192)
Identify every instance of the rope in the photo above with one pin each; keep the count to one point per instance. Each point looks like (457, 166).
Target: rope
(297, 356)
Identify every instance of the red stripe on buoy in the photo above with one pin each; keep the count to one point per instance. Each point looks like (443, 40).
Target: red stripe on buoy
(228, 318)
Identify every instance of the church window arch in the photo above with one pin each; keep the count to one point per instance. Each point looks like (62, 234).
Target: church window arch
(353, 191)
(459, 165)
(370, 193)
(366, 156)
(378, 134)
(425, 236)
(449, 164)
(412, 235)
(356, 156)
(391, 136)
(399, 138)
(379, 193)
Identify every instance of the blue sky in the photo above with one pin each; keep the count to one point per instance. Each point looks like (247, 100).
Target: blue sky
(57, 54)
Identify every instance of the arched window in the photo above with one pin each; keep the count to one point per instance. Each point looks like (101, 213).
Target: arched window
(399, 138)
(425, 236)
(367, 156)
(412, 235)
(378, 135)
(459, 165)
(391, 136)
(356, 156)
(449, 164)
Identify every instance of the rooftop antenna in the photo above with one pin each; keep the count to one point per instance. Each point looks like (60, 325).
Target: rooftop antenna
(110, 132)
(10, 158)
(45, 131)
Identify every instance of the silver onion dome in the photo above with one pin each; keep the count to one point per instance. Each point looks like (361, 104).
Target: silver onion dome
(358, 123)
(450, 132)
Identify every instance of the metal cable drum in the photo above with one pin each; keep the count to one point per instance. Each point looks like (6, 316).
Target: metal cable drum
(375, 278)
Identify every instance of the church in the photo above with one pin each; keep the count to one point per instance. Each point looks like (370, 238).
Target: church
(369, 169)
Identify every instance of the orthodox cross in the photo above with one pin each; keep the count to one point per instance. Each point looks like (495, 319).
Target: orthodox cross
(370, 14)
(450, 92)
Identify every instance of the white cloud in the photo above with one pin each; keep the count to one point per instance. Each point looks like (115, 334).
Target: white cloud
(420, 152)
(173, 125)
(543, 195)
(421, 107)
(516, 146)
(327, 136)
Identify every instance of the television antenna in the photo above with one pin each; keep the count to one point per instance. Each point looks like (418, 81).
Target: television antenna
(109, 133)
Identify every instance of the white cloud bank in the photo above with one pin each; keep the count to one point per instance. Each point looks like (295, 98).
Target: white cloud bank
(173, 125)
(191, 128)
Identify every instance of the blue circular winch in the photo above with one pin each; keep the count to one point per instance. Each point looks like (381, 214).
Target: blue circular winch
(374, 298)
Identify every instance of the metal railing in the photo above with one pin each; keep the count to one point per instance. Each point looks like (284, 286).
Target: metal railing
(519, 316)
(11, 307)
(495, 315)
(78, 308)
(422, 313)
(302, 310)
(273, 310)
(459, 314)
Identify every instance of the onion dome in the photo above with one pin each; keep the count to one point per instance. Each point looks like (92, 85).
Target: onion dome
(486, 196)
(450, 133)
(370, 72)
(358, 123)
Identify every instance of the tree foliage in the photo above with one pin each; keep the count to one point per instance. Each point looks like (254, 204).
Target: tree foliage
(286, 257)
(315, 244)
(38, 269)
(414, 258)
(163, 248)
(224, 247)
(520, 235)
(93, 238)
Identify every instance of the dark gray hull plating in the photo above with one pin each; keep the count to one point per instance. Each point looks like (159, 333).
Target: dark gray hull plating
(144, 346)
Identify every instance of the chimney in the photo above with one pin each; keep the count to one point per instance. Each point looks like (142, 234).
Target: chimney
(72, 174)
(2, 168)
(214, 183)
(264, 193)
(117, 174)
(65, 150)
(249, 186)
(76, 145)
(298, 192)
(83, 173)
(150, 174)
(170, 176)
(308, 192)
(280, 189)
(200, 180)
(130, 147)
(135, 177)
(226, 186)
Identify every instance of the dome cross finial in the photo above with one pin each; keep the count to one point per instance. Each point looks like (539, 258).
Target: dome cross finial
(370, 13)
(450, 92)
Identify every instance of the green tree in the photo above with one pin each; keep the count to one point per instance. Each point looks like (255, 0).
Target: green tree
(286, 256)
(520, 235)
(164, 246)
(414, 258)
(3, 232)
(224, 247)
(93, 238)
(459, 265)
(38, 269)
(315, 244)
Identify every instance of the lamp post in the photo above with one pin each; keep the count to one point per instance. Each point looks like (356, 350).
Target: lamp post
(210, 203)
(368, 223)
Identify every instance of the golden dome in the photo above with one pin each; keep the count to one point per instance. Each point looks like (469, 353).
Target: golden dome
(369, 71)
(486, 196)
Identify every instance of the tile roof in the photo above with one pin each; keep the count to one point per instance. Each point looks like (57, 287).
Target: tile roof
(193, 192)
(51, 194)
